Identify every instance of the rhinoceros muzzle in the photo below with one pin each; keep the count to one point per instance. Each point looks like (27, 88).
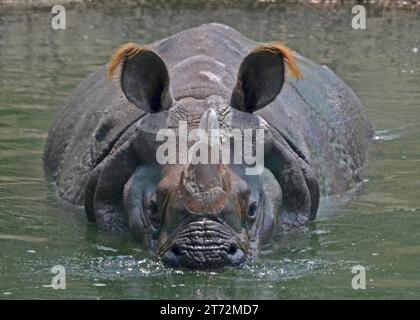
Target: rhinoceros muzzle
(204, 244)
(205, 240)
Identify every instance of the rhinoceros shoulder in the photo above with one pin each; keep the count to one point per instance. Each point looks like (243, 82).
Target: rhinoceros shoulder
(325, 122)
(93, 118)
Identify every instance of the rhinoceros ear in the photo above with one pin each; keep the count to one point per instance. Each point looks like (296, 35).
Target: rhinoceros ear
(144, 77)
(261, 76)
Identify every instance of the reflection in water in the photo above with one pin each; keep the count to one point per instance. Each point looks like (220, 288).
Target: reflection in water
(378, 228)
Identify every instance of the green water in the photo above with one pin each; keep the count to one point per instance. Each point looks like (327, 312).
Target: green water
(378, 227)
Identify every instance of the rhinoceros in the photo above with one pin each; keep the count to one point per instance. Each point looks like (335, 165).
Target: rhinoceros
(101, 150)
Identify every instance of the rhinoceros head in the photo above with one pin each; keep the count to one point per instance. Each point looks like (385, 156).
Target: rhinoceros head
(197, 214)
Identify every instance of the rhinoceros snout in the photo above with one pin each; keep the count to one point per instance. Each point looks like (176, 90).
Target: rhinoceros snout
(206, 258)
(204, 244)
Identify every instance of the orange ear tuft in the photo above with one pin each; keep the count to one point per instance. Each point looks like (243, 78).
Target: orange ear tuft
(288, 55)
(128, 50)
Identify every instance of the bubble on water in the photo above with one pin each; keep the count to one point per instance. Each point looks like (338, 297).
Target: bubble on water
(415, 49)
(286, 269)
(7, 293)
(98, 270)
(30, 251)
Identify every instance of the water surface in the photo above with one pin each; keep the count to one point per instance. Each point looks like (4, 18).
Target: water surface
(378, 227)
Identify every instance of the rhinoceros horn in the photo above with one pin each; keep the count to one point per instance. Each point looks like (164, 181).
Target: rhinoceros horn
(204, 187)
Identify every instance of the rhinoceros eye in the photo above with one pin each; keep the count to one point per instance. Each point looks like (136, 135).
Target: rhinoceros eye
(151, 209)
(252, 211)
(154, 215)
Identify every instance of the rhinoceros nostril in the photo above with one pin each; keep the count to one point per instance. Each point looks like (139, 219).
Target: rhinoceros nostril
(232, 250)
(176, 251)
(235, 256)
(172, 257)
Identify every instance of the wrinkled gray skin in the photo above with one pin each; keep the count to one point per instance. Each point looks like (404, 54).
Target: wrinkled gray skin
(101, 152)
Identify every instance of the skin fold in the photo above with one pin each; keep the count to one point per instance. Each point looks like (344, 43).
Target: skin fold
(101, 150)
